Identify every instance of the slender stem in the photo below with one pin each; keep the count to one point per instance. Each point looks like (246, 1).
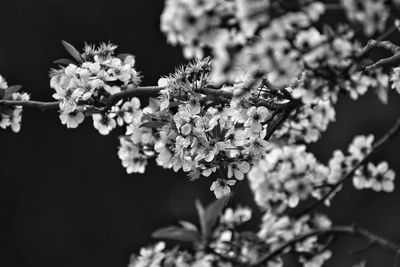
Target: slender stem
(389, 134)
(136, 91)
(147, 91)
(31, 104)
(336, 230)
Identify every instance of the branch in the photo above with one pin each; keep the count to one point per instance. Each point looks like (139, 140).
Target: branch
(148, 91)
(389, 135)
(343, 230)
(384, 61)
(31, 104)
(133, 91)
(137, 91)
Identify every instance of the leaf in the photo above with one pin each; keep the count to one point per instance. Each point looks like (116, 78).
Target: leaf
(201, 213)
(382, 94)
(188, 226)
(212, 214)
(64, 61)
(72, 51)
(153, 124)
(147, 117)
(177, 234)
(11, 90)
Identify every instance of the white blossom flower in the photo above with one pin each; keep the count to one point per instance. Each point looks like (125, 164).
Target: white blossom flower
(238, 169)
(72, 119)
(104, 123)
(221, 187)
(395, 79)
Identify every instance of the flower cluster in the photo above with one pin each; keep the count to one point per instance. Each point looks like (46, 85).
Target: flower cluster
(285, 176)
(268, 89)
(307, 124)
(187, 128)
(378, 178)
(395, 79)
(371, 15)
(277, 230)
(89, 83)
(11, 116)
(221, 241)
(228, 246)
(288, 174)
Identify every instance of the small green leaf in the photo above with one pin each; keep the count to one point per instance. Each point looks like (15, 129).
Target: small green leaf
(382, 93)
(153, 124)
(64, 61)
(200, 212)
(212, 214)
(177, 234)
(188, 226)
(72, 51)
(146, 117)
(11, 90)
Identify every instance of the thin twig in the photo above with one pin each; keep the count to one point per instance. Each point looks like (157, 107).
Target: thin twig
(336, 230)
(31, 104)
(147, 91)
(384, 61)
(133, 91)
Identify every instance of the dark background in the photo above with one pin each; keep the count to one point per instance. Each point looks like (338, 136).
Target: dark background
(65, 199)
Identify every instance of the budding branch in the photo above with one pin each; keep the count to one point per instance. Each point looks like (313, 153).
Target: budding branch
(336, 230)
(151, 91)
(389, 135)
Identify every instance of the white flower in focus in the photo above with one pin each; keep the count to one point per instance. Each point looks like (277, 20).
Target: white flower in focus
(72, 119)
(221, 187)
(238, 169)
(257, 116)
(104, 124)
(130, 112)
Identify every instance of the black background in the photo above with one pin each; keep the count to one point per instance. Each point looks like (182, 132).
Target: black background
(65, 199)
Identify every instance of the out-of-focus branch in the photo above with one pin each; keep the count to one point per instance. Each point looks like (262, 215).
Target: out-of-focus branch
(384, 61)
(389, 135)
(336, 230)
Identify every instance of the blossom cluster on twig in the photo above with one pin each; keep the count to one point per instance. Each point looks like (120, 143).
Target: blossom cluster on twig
(262, 84)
